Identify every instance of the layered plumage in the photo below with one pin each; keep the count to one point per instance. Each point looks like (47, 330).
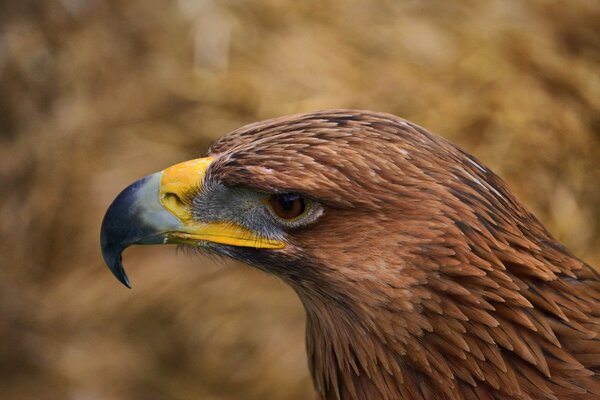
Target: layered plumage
(424, 277)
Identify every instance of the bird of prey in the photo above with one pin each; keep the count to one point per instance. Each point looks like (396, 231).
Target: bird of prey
(421, 274)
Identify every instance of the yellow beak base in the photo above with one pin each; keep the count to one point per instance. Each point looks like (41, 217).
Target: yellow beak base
(232, 235)
(176, 184)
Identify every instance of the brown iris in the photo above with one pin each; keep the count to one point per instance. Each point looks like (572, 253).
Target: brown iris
(287, 205)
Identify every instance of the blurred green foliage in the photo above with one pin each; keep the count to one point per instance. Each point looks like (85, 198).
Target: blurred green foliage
(95, 94)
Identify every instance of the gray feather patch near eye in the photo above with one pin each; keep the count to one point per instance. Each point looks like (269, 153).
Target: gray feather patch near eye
(236, 205)
(246, 207)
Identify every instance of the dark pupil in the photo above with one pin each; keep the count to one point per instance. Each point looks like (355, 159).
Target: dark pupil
(289, 201)
(288, 205)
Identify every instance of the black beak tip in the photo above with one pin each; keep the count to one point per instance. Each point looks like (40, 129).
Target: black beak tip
(119, 230)
(113, 260)
(119, 272)
(124, 224)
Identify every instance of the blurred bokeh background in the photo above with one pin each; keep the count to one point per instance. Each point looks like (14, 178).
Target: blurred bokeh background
(97, 93)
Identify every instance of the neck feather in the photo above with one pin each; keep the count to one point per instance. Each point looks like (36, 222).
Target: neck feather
(460, 336)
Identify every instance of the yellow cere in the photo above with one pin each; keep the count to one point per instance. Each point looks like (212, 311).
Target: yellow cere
(179, 179)
(176, 182)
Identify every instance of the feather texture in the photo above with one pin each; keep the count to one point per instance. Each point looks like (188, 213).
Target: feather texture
(425, 278)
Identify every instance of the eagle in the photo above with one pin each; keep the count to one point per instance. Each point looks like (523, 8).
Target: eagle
(422, 276)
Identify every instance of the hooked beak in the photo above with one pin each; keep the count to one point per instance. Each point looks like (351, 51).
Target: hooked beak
(156, 210)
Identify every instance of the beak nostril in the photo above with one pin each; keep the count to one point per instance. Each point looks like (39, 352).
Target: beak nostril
(172, 200)
(177, 205)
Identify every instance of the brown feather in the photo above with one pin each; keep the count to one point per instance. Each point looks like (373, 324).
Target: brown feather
(425, 278)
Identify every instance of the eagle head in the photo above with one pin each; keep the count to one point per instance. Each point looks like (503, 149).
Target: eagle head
(421, 274)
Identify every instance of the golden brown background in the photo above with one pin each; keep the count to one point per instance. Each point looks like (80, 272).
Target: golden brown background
(95, 94)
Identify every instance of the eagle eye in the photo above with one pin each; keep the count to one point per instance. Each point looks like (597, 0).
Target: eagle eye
(288, 206)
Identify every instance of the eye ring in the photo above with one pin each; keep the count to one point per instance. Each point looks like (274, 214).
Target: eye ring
(289, 207)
